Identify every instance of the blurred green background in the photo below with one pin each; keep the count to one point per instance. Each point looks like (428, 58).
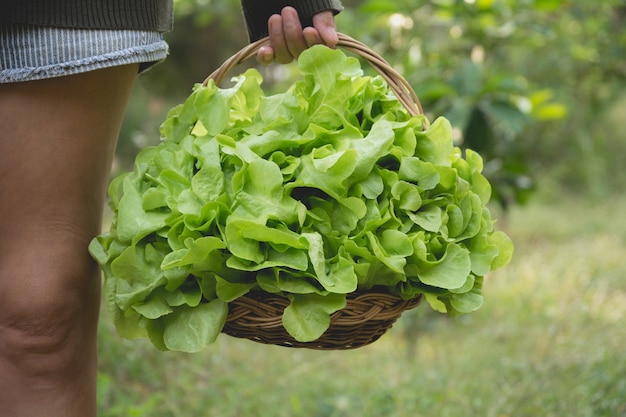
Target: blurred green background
(535, 86)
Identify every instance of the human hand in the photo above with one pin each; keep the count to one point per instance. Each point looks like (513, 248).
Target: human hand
(288, 39)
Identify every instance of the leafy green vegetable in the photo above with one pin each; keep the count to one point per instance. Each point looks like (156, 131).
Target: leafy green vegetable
(314, 193)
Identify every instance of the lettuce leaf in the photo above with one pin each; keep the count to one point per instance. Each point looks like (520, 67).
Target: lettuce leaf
(325, 189)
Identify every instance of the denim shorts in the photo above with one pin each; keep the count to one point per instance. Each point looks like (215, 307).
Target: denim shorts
(34, 52)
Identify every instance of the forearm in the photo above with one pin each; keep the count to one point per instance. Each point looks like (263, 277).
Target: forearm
(257, 12)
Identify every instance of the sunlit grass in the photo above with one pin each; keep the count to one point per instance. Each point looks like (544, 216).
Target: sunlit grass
(549, 341)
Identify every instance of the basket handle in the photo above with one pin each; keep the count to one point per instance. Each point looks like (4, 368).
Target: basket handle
(401, 88)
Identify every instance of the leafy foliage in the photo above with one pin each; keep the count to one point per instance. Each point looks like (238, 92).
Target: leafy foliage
(452, 52)
(312, 193)
(528, 84)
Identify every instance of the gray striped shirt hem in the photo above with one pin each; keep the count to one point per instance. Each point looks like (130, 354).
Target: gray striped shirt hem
(30, 53)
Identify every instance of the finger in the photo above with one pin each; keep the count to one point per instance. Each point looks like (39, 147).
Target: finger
(324, 22)
(265, 55)
(292, 28)
(277, 39)
(312, 36)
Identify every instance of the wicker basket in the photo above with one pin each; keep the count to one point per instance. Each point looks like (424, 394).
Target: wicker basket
(365, 318)
(257, 316)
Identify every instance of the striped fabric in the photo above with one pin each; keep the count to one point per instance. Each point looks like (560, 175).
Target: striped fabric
(35, 52)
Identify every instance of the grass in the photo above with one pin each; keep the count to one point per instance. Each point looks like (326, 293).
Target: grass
(549, 341)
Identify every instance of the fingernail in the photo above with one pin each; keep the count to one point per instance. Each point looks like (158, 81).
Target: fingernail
(266, 56)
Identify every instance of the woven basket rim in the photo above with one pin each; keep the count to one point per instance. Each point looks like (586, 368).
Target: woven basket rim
(397, 83)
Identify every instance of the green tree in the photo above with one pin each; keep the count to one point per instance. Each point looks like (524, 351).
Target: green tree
(531, 85)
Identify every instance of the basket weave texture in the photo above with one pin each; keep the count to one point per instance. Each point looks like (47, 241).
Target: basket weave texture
(257, 316)
(365, 318)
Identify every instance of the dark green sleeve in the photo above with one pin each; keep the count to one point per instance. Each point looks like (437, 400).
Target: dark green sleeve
(88, 14)
(257, 12)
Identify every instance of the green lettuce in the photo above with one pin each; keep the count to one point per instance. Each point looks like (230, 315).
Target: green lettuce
(328, 188)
